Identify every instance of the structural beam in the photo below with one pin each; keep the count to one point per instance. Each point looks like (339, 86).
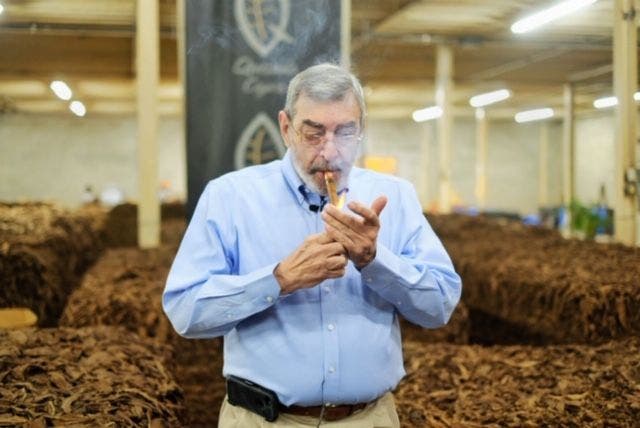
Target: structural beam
(568, 145)
(481, 158)
(494, 72)
(147, 77)
(625, 78)
(345, 33)
(543, 165)
(426, 132)
(443, 96)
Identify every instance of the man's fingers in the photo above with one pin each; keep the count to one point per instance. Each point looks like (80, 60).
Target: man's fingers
(336, 262)
(320, 238)
(369, 216)
(341, 219)
(339, 236)
(378, 205)
(335, 248)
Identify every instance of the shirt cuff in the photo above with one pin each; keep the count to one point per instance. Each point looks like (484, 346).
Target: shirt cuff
(378, 274)
(259, 287)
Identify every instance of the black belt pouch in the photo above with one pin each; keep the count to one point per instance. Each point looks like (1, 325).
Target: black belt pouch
(253, 397)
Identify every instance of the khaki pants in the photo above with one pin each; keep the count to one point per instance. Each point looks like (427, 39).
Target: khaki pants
(381, 414)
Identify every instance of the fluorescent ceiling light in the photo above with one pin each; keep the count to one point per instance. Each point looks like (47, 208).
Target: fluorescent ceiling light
(547, 15)
(607, 102)
(1, 9)
(428, 113)
(61, 90)
(531, 115)
(77, 108)
(489, 98)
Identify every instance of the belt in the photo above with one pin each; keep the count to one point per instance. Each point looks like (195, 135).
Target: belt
(330, 413)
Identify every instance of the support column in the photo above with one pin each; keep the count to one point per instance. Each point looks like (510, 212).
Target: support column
(543, 175)
(568, 156)
(625, 78)
(181, 43)
(147, 76)
(481, 158)
(345, 33)
(423, 168)
(444, 92)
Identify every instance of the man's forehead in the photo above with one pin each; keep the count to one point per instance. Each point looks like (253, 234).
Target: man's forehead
(316, 112)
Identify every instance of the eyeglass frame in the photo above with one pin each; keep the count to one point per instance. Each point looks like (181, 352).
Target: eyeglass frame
(323, 139)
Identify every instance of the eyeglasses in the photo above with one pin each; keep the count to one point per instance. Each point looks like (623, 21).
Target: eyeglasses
(316, 136)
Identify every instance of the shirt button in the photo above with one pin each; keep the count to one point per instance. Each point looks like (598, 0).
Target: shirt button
(269, 299)
(331, 327)
(368, 279)
(332, 369)
(327, 289)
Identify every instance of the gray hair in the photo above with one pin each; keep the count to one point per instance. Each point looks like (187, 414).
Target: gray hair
(324, 82)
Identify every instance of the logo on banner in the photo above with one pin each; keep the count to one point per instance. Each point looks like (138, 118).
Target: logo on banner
(259, 143)
(263, 23)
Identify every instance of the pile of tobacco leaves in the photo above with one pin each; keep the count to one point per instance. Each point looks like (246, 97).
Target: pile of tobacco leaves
(95, 376)
(564, 291)
(451, 385)
(43, 251)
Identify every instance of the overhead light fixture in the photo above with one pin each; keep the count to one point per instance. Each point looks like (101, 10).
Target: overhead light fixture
(428, 113)
(78, 108)
(489, 98)
(531, 115)
(61, 89)
(547, 15)
(607, 102)
(1, 9)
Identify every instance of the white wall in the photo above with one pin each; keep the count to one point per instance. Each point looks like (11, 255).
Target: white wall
(512, 160)
(52, 157)
(595, 157)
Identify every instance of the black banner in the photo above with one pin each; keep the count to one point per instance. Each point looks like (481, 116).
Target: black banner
(240, 56)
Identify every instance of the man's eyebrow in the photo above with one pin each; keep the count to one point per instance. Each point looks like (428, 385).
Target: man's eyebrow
(309, 122)
(313, 124)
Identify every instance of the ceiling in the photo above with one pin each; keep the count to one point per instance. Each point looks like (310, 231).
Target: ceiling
(91, 45)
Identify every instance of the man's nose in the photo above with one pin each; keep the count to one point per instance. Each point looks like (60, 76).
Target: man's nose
(329, 146)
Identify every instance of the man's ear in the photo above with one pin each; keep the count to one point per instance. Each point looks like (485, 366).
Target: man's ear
(283, 121)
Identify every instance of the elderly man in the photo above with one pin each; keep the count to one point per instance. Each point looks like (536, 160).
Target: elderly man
(307, 293)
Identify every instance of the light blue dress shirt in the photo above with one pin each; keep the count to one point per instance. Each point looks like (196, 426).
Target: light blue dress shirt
(337, 342)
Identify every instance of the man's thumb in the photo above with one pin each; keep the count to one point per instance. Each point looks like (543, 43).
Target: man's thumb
(378, 205)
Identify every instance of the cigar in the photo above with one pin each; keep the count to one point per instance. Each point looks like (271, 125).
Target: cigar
(330, 181)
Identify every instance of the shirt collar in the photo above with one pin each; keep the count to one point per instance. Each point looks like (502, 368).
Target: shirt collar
(291, 177)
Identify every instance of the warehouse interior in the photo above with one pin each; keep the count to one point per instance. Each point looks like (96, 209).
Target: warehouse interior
(534, 190)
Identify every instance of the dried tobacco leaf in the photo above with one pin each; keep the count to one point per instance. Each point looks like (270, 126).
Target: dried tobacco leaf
(514, 386)
(537, 287)
(119, 385)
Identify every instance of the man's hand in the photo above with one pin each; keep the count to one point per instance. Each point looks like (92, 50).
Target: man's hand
(318, 258)
(358, 234)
